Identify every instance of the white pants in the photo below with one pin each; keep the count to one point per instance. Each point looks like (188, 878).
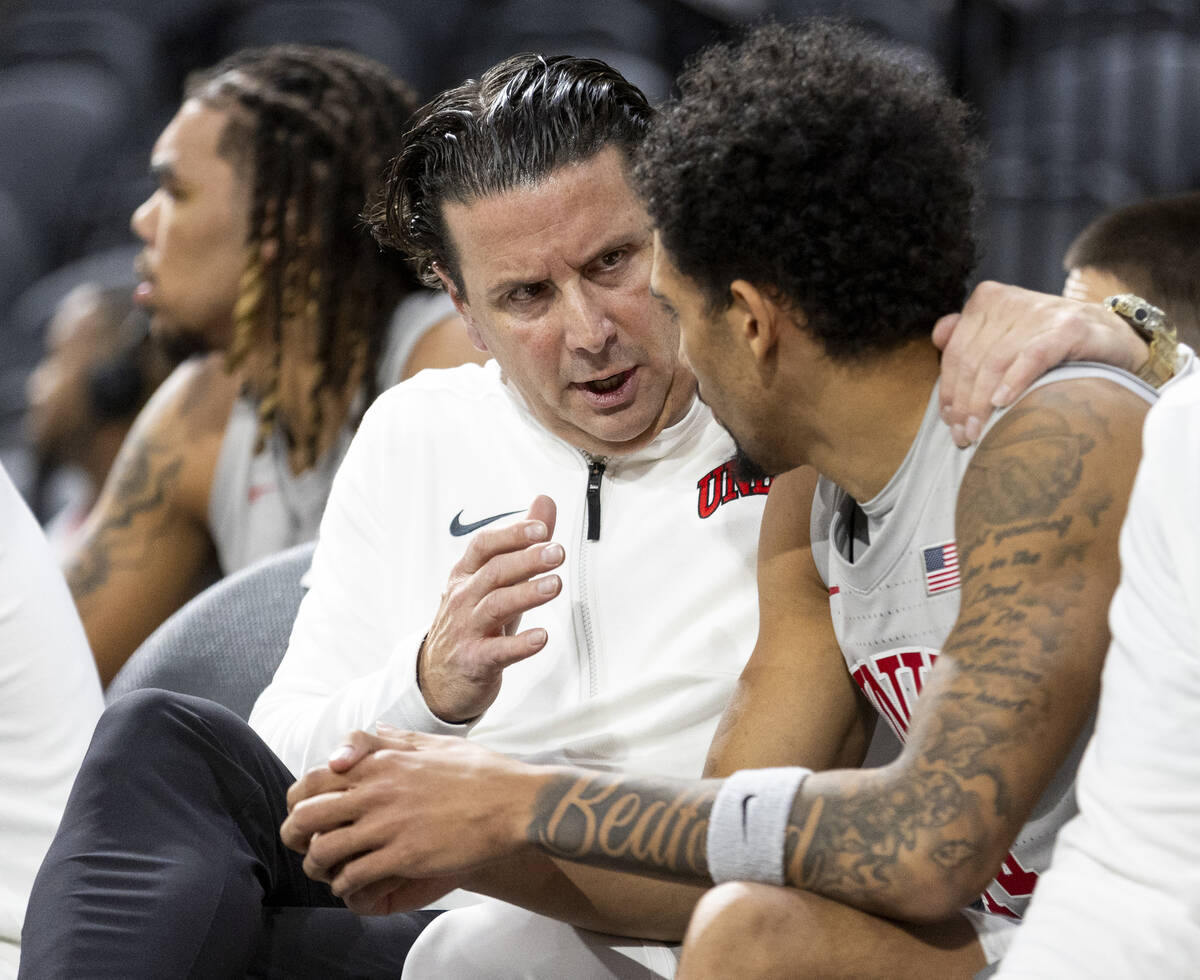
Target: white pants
(498, 941)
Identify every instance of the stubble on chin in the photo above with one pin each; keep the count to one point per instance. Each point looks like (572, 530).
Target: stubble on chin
(746, 469)
(180, 343)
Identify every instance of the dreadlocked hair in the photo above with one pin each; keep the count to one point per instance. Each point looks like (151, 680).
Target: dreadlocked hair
(312, 130)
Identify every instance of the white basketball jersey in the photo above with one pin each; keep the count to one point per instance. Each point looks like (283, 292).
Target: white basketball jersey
(891, 567)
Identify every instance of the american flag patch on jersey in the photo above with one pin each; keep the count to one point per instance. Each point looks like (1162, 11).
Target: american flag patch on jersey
(941, 567)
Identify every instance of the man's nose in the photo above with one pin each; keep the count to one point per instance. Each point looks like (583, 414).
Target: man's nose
(142, 222)
(589, 327)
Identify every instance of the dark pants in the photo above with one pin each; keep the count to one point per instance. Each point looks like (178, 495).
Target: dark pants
(168, 863)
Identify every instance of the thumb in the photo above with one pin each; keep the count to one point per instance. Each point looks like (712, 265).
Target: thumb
(352, 751)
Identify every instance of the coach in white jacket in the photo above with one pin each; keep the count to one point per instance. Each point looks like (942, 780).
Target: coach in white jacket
(549, 553)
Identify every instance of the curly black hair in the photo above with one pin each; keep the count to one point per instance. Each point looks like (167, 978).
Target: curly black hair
(823, 165)
(523, 119)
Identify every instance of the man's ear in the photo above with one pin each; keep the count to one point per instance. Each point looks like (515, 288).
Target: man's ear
(460, 304)
(756, 318)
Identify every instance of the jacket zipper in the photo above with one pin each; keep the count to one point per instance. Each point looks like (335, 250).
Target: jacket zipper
(595, 474)
(596, 466)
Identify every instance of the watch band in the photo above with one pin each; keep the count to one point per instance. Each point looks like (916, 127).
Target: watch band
(1151, 324)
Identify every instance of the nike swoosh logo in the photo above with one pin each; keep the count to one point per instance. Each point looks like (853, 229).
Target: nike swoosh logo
(458, 530)
(746, 801)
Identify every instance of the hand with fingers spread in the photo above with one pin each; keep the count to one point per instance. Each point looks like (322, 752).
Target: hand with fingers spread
(397, 819)
(475, 634)
(1006, 337)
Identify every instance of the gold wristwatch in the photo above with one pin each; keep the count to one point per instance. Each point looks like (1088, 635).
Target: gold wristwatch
(1149, 323)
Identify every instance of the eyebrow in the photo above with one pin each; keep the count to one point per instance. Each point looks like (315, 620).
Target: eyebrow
(497, 291)
(163, 171)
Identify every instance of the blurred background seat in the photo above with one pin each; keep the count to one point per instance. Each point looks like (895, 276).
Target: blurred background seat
(1084, 105)
(396, 35)
(1078, 124)
(628, 34)
(225, 644)
(927, 26)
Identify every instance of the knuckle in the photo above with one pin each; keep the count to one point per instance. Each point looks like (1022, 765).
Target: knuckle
(494, 607)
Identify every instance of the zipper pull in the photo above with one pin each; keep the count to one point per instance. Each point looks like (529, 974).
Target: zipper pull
(595, 473)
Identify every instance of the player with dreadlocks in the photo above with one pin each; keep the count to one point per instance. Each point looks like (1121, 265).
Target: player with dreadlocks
(257, 265)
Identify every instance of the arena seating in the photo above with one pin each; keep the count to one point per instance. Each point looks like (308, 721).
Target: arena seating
(1084, 104)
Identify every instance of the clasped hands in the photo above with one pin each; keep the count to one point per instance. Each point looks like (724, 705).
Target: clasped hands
(397, 819)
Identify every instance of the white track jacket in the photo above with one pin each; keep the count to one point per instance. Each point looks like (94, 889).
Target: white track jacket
(656, 618)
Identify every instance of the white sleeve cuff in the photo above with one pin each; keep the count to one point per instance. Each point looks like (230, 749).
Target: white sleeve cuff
(409, 711)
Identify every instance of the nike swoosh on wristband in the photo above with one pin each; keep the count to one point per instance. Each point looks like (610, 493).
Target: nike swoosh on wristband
(458, 530)
(746, 801)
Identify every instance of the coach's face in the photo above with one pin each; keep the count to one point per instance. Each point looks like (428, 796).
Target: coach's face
(556, 286)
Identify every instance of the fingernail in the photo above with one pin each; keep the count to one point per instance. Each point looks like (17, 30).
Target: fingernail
(341, 753)
(548, 585)
(385, 728)
(958, 434)
(973, 428)
(1001, 396)
(537, 637)
(535, 531)
(946, 414)
(552, 554)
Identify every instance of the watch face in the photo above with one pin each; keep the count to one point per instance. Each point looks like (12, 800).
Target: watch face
(1146, 318)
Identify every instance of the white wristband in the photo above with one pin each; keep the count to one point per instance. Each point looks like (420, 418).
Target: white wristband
(748, 822)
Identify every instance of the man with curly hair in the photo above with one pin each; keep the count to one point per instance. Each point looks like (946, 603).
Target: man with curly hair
(811, 196)
(605, 625)
(485, 567)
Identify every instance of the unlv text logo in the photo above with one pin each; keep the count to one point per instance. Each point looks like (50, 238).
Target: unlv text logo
(720, 487)
(892, 683)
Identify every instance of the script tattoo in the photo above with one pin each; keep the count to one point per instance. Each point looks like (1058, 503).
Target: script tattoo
(1028, 512)
(147, 473)
(638, 824)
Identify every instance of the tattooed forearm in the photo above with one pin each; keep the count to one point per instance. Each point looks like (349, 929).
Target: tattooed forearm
(1036, 528)
(636, 824)
(147, 474)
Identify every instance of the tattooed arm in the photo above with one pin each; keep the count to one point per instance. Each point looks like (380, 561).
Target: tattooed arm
(145, 548)
(1038, 516)
(1039, 511)
(764, 726)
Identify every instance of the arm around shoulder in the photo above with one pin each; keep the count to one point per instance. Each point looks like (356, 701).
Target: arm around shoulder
(1038, 516)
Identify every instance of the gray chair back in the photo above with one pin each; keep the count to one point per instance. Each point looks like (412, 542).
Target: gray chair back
(225, 644)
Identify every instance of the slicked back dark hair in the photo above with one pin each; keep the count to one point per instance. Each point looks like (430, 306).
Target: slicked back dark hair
(519, 122)
(825, 167)
(1153, 246)
(311, 130)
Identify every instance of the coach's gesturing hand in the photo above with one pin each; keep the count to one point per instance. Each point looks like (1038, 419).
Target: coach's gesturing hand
(475, 635)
